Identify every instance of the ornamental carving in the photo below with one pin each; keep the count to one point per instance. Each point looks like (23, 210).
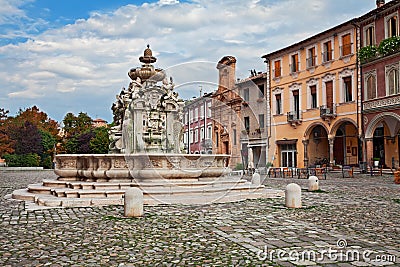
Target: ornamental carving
(68, 164)
(382, 103)
(120, 164)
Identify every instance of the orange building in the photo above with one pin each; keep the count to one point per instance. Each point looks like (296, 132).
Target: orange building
(315, 100)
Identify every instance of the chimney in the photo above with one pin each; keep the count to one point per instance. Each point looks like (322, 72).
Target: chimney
(379, 3)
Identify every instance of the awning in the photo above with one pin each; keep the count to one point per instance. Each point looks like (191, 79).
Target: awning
(286, 142)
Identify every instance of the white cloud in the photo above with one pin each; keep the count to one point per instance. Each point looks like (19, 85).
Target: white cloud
(91, 57)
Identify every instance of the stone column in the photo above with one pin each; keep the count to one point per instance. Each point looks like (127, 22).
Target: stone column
(331, 142)
(369, 149)
(305, 143)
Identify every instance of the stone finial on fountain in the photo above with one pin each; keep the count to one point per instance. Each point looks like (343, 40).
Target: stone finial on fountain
(147, 72)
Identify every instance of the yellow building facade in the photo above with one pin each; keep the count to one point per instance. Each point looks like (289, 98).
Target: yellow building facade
(315, 100)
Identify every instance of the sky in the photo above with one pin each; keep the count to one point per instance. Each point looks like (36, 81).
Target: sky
(74, 56)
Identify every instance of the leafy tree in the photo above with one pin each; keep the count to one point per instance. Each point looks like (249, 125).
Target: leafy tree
(48, 141)
(76, 125)
(99, 144)
(71, 145)
(28, 140)
(6, 143)
(84, 142)
(38, 118)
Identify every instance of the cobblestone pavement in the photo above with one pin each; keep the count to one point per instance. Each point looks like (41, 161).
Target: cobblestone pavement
(349, 222)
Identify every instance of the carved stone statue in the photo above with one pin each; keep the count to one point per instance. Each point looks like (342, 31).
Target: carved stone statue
(147, 116)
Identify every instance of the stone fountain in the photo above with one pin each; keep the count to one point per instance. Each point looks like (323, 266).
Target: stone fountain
(145, 152)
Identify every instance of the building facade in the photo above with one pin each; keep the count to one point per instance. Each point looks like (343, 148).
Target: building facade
(226, 106)
(198, 125)
(315, 100)
(254, 115)
(380, 67)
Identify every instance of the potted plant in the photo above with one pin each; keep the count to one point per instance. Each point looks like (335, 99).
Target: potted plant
(389, 46)
(367, 52)
(376, 162)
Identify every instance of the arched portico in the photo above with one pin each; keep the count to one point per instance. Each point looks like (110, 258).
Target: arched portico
(344, 142)
(316, 145)
(382, 139)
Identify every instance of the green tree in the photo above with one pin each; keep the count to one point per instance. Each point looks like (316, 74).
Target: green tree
(76, 125)
(99, 144)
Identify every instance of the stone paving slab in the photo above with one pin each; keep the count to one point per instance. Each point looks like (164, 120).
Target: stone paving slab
(349, 218)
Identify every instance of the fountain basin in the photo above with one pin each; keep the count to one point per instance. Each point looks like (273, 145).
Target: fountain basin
(93, 167)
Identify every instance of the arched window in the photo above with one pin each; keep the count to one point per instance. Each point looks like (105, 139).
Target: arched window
(371, 87)
(370, 36)
(392, 26)
(393, 82)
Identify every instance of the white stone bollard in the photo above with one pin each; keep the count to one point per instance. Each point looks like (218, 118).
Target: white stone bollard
(133, 202)
(293, 196)
(256, 179)
(313, 183)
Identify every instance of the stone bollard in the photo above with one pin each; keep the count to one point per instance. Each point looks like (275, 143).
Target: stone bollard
(313, 183)
(293, 196)
(256, 179)
(133, 202)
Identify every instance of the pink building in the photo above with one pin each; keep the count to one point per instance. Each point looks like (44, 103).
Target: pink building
(198, 125)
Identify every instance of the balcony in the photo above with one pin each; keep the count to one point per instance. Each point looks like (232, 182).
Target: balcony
(311, 62)
(327, 56)
(294, 118)
(327, 114)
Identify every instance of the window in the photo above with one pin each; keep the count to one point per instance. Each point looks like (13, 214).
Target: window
(261, 91)
(185, 138)
(247, 123)
(311, 60)
(234, 137)
(294, 66)
(327, 54)
(278, 104)
(348, 91)
(288, 155)
(246, 94)
(370, 36)
(202, 133)
(209, 132)
(370, 84)
(391, 26)
(277, 69)
(296, 103)
(196, 114)
(196, 135)
(209, 110)
(202, 111)
(261, 120)
(191, 136)
(185, 118)
(346, 45)
(393, 82)
(313, 92)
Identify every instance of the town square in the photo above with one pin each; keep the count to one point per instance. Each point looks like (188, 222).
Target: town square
(213, 153)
